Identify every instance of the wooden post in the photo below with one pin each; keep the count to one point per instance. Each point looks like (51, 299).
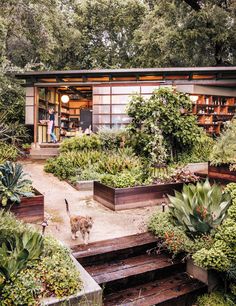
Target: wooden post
(35, 115)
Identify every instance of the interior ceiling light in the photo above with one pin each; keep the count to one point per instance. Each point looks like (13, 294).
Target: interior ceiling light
(65, 98)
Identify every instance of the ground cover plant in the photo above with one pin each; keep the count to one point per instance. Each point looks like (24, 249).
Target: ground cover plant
(39, 266)
(201, 222)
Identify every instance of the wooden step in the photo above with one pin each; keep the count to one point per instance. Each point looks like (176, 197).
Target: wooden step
(177, 290)
(117, 248)
(49, 145)
(134, 270)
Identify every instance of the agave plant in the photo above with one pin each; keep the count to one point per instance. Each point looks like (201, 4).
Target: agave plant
(199, 208)
(16, 252)
(13, 185)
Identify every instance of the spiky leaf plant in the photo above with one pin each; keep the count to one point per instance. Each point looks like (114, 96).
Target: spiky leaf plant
(199, 208)
(13, 184)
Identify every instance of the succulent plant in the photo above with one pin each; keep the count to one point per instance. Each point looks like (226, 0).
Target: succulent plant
(12, 183)
(199, 208)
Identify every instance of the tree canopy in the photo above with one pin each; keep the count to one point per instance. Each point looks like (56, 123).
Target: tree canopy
(69, 34)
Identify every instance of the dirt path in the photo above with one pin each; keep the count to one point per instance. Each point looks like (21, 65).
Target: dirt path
(107, 224)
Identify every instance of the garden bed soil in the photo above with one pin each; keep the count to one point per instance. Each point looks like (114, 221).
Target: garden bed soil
(133, 197)
(30, 209)
(90, 294)
(221, 173)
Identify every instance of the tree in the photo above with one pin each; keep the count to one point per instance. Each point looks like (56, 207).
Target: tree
(173, 34)
(159, 127)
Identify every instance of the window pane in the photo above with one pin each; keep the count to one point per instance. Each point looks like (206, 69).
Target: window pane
(148, 89)
(126, 89)
(118, 109)
(101, 119)
(101, 99)
(98, 109)
(123, 99)
(119, 119)
(29, 115)
(101, 90)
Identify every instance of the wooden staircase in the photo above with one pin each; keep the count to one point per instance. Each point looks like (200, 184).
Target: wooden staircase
(44, 151)
(130, 276)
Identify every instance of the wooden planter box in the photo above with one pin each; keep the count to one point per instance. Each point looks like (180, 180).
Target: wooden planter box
(221, 173)
(133, 197)
(30, 209)
(208, 277)
(90, 294)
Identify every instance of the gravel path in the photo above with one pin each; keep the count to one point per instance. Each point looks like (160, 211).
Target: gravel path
(107, 224)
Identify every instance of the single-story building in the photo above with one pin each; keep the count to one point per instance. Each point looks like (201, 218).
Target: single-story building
(95, 98)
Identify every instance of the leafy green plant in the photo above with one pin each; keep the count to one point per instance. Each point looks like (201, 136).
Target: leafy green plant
(81, 143)
(173, 237)
(159, 129)
(122, 179)
(114, 138)
(199, 208)
(17, 251)
(214, 299)
(8, 152)
(224, 151)
(12, 183)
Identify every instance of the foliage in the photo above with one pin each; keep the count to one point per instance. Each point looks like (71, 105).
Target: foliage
(8, 152)
(49, 270)
(222, 254)
(159, 128)
(200, 152)
(116, 168)
(214, 299)
(199, 208)
(224, 151)
(67, 164)
(13, 183)
(81, 143)
(112, 138)
(173, 237)
(17, 251)
(173, 175)
(123, 179)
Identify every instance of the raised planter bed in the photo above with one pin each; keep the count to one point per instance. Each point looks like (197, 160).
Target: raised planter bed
(221, 173)
(133, 197)
(91, 293)
(208, 277)
(84, 185)
(30, 209)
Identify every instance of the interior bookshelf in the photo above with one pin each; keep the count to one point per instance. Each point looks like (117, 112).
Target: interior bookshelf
(213, 111)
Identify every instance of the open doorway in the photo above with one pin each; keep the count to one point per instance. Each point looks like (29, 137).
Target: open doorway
(71, 118)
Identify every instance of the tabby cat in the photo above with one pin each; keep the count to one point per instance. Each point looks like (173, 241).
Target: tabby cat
(81, 224)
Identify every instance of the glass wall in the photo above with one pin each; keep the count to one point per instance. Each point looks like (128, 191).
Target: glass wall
(110, 102)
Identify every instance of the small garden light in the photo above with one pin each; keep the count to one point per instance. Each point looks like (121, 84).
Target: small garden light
(44, 225)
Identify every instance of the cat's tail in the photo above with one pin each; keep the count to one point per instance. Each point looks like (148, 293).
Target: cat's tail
(67, 207)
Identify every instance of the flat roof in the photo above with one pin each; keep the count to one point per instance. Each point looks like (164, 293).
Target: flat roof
(131, 71)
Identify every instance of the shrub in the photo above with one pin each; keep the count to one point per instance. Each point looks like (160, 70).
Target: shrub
(224, 151)
(174, 237)
(67, 165)
(8, 152)
(81, 143)
(199, 208)
(53, 274)
(158, 127)
(222, 255)
(112, 138)
(214, 299)
(13, 185)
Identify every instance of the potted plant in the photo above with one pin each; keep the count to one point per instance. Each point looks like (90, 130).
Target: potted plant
(17, 193)
(26, 148)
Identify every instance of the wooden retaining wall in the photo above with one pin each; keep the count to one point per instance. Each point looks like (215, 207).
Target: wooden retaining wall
(133, 197)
